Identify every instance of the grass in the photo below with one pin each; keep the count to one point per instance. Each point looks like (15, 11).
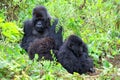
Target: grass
(96, 22)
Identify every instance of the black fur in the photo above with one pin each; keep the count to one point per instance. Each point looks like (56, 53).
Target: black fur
(39, 27)
(73, 55)
(41, 47)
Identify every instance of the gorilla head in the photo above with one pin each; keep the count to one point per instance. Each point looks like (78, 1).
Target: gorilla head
(76, 45)
(41, 18)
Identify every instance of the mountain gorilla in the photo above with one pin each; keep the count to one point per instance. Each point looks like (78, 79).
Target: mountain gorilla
(42, 47)
(39, 27)
(73, 55)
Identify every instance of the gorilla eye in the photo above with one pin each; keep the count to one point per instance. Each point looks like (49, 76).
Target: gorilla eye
(80, 44)
(42, 19)
(37, 20)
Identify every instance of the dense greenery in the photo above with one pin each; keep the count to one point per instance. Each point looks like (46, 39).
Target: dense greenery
(97, 22)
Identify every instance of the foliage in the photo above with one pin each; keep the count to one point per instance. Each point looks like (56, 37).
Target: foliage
(97, 22)
(10, 31)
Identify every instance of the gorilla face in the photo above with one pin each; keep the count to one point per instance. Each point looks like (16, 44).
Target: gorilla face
(41, 19)
(39, 25)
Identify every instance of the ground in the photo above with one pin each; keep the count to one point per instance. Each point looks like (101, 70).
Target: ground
(115, 61)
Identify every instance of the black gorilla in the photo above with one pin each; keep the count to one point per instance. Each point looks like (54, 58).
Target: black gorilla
(42, 47)
(39, 27)
(73, 55)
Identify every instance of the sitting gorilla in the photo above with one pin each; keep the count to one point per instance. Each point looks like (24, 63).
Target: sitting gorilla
(42, 47)
(39, 27)
(73, 55)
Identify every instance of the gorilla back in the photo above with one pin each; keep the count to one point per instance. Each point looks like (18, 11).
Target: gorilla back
(73, 55)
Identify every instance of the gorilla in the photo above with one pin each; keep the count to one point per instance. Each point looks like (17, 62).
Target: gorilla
(39, 27)
(73, 56)
(42, 47)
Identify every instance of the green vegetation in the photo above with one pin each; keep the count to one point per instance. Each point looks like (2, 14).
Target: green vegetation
(97, 22)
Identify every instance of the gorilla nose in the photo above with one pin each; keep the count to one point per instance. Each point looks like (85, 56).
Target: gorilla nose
(39, 26)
